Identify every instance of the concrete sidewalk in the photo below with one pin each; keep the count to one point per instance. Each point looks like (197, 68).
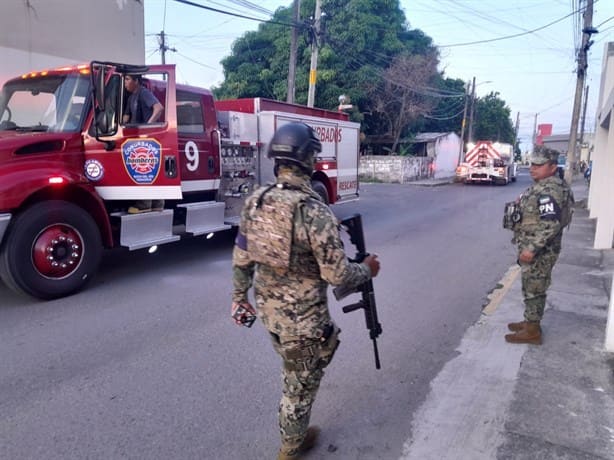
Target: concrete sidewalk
(555, 401)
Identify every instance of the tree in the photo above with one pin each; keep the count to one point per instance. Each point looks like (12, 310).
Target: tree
(403, 93)
(492, 119)
(362, 46)
(360, 40)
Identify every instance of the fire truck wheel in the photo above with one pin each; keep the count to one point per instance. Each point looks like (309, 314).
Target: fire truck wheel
(320, 189)
(52, 250)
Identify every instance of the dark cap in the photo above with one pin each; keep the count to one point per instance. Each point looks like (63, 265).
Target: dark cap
(542, 155)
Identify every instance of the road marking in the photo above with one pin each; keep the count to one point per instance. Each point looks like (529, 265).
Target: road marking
(495, 297)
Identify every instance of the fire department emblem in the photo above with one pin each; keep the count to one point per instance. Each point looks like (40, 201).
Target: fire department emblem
(93, 170)
(142, 159)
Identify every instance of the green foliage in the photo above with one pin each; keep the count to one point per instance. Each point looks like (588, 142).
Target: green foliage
(492, 120)
(359, 40)
(359, 43)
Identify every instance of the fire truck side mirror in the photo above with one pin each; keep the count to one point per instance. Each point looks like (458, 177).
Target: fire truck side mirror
(99, 84)
(102, 122)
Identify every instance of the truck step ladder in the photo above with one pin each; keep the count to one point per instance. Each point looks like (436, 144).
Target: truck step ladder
(204, 217)
(147, 229)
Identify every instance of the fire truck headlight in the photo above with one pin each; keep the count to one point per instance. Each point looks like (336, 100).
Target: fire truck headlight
(56, 180)
(152, 249)
(209, 235)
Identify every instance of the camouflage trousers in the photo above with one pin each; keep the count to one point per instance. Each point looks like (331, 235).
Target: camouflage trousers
(301, 376)
(536, 278)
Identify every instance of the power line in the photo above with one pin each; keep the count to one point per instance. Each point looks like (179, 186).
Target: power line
(195, 62)
(607, 20)
(446, 118)
(507, 36)
(187, 2)
(252, 6)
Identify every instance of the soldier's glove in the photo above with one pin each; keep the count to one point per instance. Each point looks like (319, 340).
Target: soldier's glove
(243, 314)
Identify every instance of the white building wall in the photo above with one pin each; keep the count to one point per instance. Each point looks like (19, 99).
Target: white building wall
(602, 186)
(40, 34)
(446, 159)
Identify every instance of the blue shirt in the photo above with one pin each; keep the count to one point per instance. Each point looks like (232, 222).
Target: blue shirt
(140, 105)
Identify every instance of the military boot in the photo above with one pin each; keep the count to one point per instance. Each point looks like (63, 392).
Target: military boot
(515, 327)
(310, 440)
(531, 333)
(519, 326)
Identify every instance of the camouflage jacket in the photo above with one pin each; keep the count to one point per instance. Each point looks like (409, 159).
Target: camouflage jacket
(544, 207)
(289, 247)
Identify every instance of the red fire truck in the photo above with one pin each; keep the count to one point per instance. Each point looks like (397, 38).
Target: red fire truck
(69, 167)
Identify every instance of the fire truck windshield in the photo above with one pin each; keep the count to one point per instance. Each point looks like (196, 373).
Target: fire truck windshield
(53, 103)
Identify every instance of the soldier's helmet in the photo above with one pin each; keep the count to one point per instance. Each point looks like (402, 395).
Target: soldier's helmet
(296, 143)
(542, 155)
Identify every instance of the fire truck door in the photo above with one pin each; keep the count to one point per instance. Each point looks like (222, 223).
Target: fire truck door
(140, 161)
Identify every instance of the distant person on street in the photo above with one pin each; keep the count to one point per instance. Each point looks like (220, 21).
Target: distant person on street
(588, 172)
(288, 247)
(538, 218)
(142, 108)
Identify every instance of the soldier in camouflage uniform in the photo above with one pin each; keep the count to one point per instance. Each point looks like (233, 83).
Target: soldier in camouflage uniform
(539, 217)
(288, 245)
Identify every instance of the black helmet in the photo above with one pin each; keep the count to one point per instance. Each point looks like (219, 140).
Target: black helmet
(296, 143)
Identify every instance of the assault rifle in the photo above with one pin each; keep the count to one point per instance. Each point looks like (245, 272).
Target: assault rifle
(353, 226)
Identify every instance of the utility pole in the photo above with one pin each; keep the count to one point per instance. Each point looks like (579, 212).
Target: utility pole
(516, 133)
(461, 153)
(471, 112)
(315, 36)
(535, 132)
(293, 52)
(583, 116)
(163, 47)
(587, 31)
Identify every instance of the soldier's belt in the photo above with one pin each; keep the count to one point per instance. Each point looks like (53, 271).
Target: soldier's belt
(321, 333)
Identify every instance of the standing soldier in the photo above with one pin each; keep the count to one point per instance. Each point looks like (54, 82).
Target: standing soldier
(289, 245)
(537, 219)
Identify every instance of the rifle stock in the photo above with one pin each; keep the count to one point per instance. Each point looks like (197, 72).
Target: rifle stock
(353, 226)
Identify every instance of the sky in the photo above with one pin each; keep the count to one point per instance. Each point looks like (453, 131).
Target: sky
(527, 55)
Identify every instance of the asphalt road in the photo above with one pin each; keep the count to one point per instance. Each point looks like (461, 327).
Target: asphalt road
(146, 364)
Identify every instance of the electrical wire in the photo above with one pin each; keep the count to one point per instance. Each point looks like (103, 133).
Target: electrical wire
(602, 23)
(195, 62)
(252, 6)
(442, 118)
(507, 37)
(242, 16)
